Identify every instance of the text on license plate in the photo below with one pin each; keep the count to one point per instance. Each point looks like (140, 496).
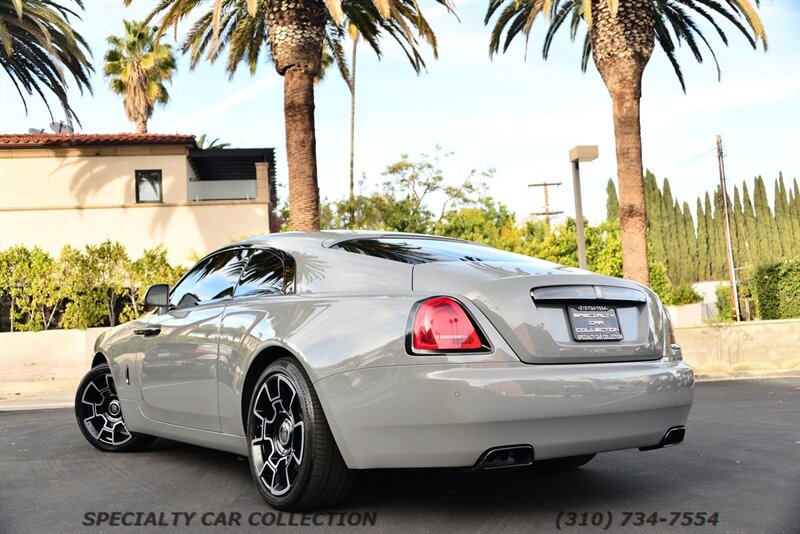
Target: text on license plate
(594, 323)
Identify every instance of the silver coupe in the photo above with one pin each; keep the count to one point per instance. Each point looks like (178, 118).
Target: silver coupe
(319, 354)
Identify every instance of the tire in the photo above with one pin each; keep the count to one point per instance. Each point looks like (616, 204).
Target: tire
(560, 465)
(99, 414)
(294, 459)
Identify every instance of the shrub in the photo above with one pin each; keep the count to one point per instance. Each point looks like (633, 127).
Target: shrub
(724, 304)
(776, 289)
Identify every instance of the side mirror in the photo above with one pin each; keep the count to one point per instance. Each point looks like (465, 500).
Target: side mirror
(158, 295)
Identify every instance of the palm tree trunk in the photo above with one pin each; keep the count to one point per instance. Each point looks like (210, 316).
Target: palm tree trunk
(633, 217)
(141, 126)
(353, 133)
(301, 149)
(296, 31)
(621, 47)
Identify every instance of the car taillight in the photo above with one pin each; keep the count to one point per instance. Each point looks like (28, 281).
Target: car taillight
(441, 324)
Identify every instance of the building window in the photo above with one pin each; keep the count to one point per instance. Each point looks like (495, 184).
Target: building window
(148, 186)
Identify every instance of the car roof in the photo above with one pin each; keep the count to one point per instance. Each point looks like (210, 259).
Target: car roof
(307, 241)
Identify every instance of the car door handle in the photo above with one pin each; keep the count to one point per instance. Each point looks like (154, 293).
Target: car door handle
(148, 332)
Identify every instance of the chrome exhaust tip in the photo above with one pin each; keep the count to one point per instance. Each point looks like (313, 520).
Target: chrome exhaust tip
(673, 436)
(504, 457)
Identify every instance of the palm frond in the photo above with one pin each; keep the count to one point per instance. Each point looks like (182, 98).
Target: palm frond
(38, 47)
(674, 24)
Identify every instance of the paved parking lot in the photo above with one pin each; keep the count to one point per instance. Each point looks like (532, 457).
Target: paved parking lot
(741, 461)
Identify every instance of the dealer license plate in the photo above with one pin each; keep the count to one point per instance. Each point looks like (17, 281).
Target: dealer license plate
(594, 323)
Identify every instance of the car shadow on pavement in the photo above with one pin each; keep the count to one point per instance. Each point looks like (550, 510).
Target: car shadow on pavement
(462, 490)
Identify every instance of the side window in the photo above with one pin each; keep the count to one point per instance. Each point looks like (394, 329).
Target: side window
(264, 275)
(213, 278)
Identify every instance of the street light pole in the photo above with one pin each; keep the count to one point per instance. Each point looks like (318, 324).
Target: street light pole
(576, 155)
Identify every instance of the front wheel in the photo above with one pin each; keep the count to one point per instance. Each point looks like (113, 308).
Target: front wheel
(99, 414)
(293, 456)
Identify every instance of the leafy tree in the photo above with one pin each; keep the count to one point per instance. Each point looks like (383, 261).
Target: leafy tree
(138, 65)
(38, 46)
(487, 222)
(151, 268)
(294, 32)
(29, 279)
(97, 279)
(404, 202)
(620, 37)
(84, 308)
(604, 249)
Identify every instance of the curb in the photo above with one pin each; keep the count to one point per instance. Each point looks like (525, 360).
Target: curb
(747, 375)
(47, 402)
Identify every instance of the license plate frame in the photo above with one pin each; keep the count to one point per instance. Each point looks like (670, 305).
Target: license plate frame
(593, 323)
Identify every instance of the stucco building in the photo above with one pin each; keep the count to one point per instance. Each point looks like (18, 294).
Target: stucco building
(137, 189)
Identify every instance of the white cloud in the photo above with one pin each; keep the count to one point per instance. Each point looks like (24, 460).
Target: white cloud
(217, 108)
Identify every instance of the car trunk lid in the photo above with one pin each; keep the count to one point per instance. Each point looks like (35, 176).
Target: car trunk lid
(553, 314)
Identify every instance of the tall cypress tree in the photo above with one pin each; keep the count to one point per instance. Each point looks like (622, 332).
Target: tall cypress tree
(757, 247)
(785, 230)
(711, 232)
(794, 214)
(767, 229)
(741, 249)
(612, 202)
(704, 258)
(655, 220)
(691, 259)
(670, 231)
(720, 246)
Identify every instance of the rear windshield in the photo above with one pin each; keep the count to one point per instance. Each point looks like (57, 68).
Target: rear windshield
(420, 250)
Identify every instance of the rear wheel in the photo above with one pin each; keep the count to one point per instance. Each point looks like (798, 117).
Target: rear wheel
(559, 465)
(99, 414)
(293, 456)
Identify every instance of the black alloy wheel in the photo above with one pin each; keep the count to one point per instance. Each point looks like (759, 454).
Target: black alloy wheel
(293, 456)
(99, 414)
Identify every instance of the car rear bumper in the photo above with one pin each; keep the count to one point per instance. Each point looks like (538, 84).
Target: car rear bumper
(447, 415)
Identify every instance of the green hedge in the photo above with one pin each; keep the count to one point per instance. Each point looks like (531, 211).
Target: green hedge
(776, 289)
(97, 286)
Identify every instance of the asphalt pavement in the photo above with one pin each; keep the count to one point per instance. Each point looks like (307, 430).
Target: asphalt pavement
(737, 471)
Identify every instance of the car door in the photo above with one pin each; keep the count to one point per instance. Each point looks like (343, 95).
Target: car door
(179, 369)
(248, 319)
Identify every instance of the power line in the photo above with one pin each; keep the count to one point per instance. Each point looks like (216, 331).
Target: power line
(691, 160)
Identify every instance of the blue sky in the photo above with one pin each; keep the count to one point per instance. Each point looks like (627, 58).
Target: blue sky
(519, 116)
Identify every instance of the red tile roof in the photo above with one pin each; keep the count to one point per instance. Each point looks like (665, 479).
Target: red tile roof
(40, 140)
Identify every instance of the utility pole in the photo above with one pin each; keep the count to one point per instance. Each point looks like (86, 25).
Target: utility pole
(728, 243)
(547, 213)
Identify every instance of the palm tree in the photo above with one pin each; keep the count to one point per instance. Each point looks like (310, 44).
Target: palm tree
(214, 144)
(621, 36)
(349, 77)
(293, 33)
(351, 84)
(138, 66)
(38, 45)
